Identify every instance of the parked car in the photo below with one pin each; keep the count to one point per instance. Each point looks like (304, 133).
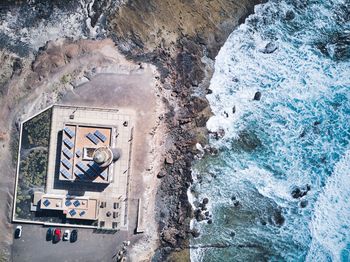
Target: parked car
(18, 232)
(57, 235)
(66, 235)
(49, 234)
(74, 236)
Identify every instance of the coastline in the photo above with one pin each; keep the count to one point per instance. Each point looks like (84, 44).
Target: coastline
(183, 50)
(185, 57)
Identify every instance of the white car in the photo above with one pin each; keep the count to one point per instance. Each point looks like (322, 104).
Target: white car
(66, 235)
(18, 232)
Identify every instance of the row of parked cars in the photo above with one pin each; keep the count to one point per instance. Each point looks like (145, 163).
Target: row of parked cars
(55, 235)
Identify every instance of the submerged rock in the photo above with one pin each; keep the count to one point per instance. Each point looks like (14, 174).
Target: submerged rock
(289, 15)
(278, 218)
(248, 141)
(303, 203)
(236, 203)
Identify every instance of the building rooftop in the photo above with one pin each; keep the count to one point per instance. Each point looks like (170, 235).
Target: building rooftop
(79, 141)
(77, 183)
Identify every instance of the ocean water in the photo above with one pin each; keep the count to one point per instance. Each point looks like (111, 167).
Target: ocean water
(297, 54)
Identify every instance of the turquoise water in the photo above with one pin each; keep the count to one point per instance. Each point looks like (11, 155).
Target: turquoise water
(297, 54)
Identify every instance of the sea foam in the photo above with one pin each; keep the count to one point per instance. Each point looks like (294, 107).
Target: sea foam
(296, 136)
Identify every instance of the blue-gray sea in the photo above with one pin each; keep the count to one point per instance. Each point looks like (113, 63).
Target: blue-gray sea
(279, 188)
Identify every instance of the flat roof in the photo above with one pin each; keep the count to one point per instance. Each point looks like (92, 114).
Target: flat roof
(73, 207)
(116, 190)
(74, 163)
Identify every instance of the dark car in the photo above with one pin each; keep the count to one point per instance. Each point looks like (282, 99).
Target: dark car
(74, 235)
(49, 234)
(56, 235)
(18, 232)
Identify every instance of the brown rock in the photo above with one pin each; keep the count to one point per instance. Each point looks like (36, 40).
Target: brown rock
(161, 174)
(169, 159)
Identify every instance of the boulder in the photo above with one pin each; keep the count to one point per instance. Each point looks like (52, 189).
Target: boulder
(205, 201)
(299, 192)
(269, 48)
(161, 174)
(195, 233)
(289, 15)
(257, 96)
(169, 159)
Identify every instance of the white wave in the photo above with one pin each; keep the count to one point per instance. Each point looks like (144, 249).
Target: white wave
(301, 122)
(330, 225)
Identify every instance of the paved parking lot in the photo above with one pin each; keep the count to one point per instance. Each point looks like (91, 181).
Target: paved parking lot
(32, 246)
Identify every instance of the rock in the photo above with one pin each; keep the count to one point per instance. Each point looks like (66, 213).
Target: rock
(211, 150)
(269, 48)
(205, 201)
(236, 203)
(200, 217)
(210, 221)
(298, 192)
(233, 109)
(161, 174)
(206, 213)
(289, 15)
(168, 236)
(195, 233)
(197, 214)
(232, 234)
(257, 96)
(198, 104)
(303, 203)
(278, 218)
(209, 91)
(17, 66)
(169, 160)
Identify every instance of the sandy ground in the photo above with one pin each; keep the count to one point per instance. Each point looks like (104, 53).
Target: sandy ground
(90, 73)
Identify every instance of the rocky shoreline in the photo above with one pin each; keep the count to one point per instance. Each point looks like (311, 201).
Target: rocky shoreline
(183, 49)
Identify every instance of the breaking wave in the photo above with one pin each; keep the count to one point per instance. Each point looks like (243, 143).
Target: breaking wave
(278, 188)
